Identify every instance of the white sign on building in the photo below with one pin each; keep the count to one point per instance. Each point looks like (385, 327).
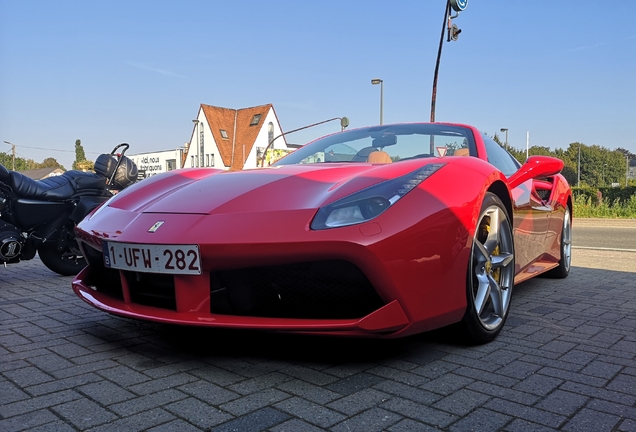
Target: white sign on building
(153, 163)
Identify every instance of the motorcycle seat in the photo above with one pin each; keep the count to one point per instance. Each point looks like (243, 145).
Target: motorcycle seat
(4, 174)
(56, 188)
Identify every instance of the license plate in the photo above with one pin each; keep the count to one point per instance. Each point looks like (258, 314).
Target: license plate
(173, 259)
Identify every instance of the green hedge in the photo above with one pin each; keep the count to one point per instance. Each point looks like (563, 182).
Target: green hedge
(611, 196)
(605, 202)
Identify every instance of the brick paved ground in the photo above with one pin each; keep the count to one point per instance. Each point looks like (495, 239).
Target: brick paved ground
(566, 360)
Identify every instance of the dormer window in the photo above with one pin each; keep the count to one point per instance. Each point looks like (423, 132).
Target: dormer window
(255, 119)
(224, 134)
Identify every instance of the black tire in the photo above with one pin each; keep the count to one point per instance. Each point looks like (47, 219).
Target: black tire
(491, 271)
(563, 270)
(68, 262)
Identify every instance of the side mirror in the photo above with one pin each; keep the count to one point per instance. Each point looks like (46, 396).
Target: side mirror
(536, 166)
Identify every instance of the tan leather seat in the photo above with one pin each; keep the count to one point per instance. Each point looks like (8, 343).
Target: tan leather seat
(462, 152)
(379, 157)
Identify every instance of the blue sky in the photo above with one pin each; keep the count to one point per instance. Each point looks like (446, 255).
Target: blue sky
(137, 71)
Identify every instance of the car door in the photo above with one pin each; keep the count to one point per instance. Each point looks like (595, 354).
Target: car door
(531, 214)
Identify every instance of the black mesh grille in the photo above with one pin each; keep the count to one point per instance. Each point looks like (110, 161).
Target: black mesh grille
(104, 280)
(544, 194)
(320, 290)
(151, 289)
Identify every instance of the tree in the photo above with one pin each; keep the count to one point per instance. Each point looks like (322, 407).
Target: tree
(50, 163)
(80, 156)
(85, 165)
(518, 154)
(81, 163)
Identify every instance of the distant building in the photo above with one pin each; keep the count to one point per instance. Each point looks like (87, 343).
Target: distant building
(42, 173)
(222, 138)
(235, 139)
(153, 163)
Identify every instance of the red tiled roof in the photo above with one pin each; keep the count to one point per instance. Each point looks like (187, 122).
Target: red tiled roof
(240, 135)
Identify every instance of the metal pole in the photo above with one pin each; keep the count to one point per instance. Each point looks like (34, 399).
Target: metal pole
(381, 100)
(578, 181)
(439, 56)
(12, 153)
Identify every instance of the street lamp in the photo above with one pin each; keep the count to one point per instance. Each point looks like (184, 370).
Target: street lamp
(376, 81)
(13, 153)
(344, 122)
(506, 131)
(578, 180)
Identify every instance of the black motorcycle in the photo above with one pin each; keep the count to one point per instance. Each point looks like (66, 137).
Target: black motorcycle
(40, 215)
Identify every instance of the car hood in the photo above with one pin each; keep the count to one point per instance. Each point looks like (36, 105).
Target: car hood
(288, 187)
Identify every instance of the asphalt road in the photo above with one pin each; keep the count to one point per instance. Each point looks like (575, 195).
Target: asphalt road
(607, 237)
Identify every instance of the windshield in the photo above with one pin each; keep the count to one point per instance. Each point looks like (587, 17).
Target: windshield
(386, 144)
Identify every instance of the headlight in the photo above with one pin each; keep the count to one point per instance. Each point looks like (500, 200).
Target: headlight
(371, 202)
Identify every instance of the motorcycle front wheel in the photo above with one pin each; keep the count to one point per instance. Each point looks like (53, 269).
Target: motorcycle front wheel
(67, 262)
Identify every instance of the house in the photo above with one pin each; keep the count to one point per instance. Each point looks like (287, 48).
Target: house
(222, 138)
(42, 173)
(234, 139)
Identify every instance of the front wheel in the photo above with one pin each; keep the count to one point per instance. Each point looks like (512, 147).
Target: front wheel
(67, 262)
(491, 271)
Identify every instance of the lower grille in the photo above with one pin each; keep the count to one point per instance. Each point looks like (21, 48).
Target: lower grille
(104, 280)
(150, 289)
(330, 289)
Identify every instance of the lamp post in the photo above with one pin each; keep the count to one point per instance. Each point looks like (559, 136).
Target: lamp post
(578, 180)
(13, 154)
(376, 81)
(344, 122)
(506, 131)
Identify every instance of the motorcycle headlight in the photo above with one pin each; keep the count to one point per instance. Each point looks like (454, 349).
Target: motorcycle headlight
(371, 202)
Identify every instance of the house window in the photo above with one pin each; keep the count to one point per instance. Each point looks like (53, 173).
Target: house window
(212, 159)
(207, 160)
(191, 161)
(255, 120)
(171, 164)
(201, 147)
(224, 134)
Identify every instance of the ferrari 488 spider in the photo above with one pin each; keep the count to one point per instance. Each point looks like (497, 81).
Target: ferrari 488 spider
(381, 231)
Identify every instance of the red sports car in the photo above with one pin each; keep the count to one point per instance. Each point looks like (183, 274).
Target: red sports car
(381, 231)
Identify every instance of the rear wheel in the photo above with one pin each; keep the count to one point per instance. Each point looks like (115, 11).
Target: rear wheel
(62, 257)
(491, 273)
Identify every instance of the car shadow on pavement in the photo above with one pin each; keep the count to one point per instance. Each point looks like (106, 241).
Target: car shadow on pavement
(209, 343)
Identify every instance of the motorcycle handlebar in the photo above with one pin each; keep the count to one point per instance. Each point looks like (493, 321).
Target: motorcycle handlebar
(118, 146)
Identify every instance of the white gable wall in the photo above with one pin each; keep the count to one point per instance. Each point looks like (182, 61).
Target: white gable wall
(211, 155)
(263, 139)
